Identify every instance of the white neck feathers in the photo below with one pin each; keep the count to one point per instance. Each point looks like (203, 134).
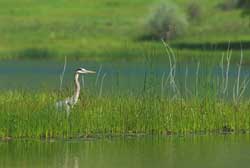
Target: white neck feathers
(77, 88)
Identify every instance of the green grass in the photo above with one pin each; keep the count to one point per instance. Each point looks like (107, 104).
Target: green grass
(25, 114)
(102, 29)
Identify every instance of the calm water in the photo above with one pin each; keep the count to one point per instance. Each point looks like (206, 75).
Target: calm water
(228, 151)
(116, 75)
(45, 74)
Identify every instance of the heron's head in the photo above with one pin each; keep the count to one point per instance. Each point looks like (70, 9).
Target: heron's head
(84, 71)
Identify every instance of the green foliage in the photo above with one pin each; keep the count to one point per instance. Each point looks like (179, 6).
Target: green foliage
(245, 5)
(194, 11)
(167, 21)
(235, 4)
(229, 4)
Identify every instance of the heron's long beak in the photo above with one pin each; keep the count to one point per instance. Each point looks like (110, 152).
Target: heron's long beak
(88, 71)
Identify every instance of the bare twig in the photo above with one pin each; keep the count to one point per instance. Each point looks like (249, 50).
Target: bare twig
(238, 75)
(187, 91)
(62, 74)
(83, 82)
(229, 53)
(98, 75)
(222, 71)
(239, 88)
(197, 79)
(101, 87)
(172, 65)
(162, 84)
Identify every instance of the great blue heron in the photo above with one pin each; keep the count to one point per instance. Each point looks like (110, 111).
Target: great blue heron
(69, 102)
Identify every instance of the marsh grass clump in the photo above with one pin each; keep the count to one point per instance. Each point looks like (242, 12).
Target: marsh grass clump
(166, 21)
(33, 115)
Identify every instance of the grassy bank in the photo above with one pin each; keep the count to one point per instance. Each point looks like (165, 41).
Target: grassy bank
(106, 29)
(33, 115)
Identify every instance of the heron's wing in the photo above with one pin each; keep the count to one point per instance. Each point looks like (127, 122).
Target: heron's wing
(63, 103)
(69, 101)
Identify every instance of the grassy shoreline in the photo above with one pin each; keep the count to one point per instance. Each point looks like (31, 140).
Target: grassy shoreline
(33, 115)
(156, 52)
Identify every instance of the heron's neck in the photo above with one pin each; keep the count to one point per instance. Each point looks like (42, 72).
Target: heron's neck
(77, 88)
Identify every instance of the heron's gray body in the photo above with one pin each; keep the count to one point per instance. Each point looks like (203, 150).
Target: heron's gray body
(69, 102)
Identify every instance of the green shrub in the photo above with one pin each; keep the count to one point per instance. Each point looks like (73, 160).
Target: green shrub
(167, 21)
(229, 4)
(236, 4)
(194, 11)
(37, 53)
(243, 3)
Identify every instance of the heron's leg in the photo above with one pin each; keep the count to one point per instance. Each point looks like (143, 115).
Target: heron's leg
(67, 110)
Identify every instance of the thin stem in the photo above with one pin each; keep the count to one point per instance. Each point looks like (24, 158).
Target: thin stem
(98, 75)
(101, 87)
(62, 74)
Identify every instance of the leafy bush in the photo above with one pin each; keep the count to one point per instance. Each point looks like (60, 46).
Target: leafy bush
(167, 21)
(40, 53)
(194, 11)
(243, 3)
(229, 4)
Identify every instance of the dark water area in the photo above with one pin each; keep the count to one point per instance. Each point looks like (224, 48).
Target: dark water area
(227, 151)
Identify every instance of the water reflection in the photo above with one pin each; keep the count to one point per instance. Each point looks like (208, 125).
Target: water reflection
(145, 152)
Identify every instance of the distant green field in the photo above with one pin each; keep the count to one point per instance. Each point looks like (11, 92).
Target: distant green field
(108, 29)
